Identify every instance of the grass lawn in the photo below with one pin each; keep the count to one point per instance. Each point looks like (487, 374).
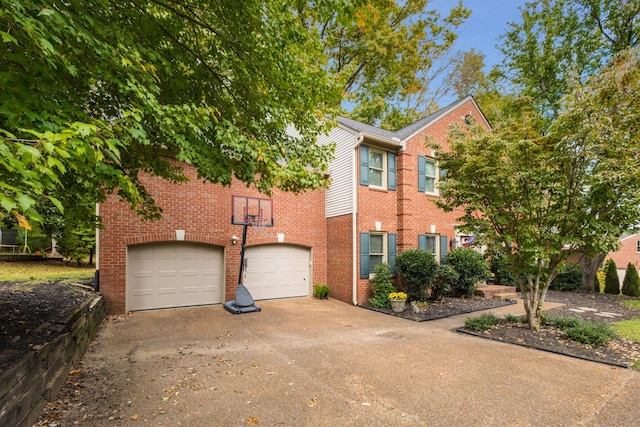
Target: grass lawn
(12, 271)
(630, 329)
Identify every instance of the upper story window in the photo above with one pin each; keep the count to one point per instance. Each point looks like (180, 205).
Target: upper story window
(377, 168)
(427, 175)
(638, 246)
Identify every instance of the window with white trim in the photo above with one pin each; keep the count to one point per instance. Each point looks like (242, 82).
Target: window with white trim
(377, 167)
(377, 250)
(435, 244)
(430, 176)
(432, 245)
(427, 175)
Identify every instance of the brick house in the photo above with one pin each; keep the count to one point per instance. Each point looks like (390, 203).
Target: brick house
(629, 252)
(192, 255)
(379, 203)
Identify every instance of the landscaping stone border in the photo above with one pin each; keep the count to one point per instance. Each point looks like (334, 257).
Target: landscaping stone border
(25, 387)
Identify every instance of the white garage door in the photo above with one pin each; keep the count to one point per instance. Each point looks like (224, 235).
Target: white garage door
(163, 275)
(277, 271)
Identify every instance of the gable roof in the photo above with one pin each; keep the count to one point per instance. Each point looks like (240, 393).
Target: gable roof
(406, 132)
(362, 127)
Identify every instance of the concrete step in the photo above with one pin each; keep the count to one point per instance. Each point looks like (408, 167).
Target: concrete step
(505, 295)
(488, 291)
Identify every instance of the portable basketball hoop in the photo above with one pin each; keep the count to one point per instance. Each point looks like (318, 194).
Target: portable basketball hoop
(253, 212)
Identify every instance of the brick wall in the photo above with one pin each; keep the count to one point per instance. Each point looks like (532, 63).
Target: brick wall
(418, 211)
(340, 257)
(628, 253)
(406, 211)
(204, 212)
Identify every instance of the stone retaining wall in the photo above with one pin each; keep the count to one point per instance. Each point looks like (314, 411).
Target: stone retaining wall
(25, 388)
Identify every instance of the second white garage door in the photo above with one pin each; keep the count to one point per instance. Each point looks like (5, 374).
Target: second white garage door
(278, 271)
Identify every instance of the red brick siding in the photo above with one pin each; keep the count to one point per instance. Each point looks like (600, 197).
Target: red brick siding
(417, 210)
(406, 211)
(628, 253)
(204, 212)
(340, 257)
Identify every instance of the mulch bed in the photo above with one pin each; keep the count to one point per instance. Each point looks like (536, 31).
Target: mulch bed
(618, 352)
(446, 308)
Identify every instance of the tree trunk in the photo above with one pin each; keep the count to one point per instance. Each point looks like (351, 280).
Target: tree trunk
(589, 267)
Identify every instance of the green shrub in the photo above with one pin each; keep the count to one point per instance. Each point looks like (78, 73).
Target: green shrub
(321, 291)
(510, 318)
(611, 280)
(482, 322)
(569, 279)
(591, 333)
(502, 270)
(597, 284)
(631, 282)
(418, 269)
(470, 266)
(446, 277)
(595, 334)
(381, 286)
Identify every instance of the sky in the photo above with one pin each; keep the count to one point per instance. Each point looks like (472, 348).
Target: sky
(487, 22)
(483, 28)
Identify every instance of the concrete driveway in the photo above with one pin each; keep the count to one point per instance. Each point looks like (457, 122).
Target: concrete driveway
(307, 362)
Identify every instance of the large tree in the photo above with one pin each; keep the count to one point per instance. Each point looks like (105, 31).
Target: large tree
(386, 56)
(539, 194)
(559, 41)
(97, 92)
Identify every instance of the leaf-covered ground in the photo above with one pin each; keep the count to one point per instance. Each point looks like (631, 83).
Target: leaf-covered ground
(32, 314)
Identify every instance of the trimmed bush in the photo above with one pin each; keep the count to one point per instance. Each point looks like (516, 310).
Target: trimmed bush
(446, 277)
(611, 280)
(418, 269)
(321, 291)
(597, 283)
(470, 266)
(569, 279)
(381, 286)
(510, 318)
(595, 334)
(502, 270)
(481, 323)
(631, 282)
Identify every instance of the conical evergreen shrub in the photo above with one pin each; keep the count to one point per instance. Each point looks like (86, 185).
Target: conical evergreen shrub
(611, 280)
(631, 282)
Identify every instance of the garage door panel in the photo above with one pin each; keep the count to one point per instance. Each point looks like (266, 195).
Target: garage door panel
(277, 271)
(168, 275)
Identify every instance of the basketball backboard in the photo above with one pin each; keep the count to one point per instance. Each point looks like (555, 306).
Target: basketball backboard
(246, 210)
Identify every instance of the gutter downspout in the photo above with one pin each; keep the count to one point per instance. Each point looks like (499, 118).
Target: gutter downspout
(354, 222)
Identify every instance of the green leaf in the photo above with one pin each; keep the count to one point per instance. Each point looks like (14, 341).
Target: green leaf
(7, 203)
(8, 38)
(46, 12)
(24, 201)
(57, 203)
